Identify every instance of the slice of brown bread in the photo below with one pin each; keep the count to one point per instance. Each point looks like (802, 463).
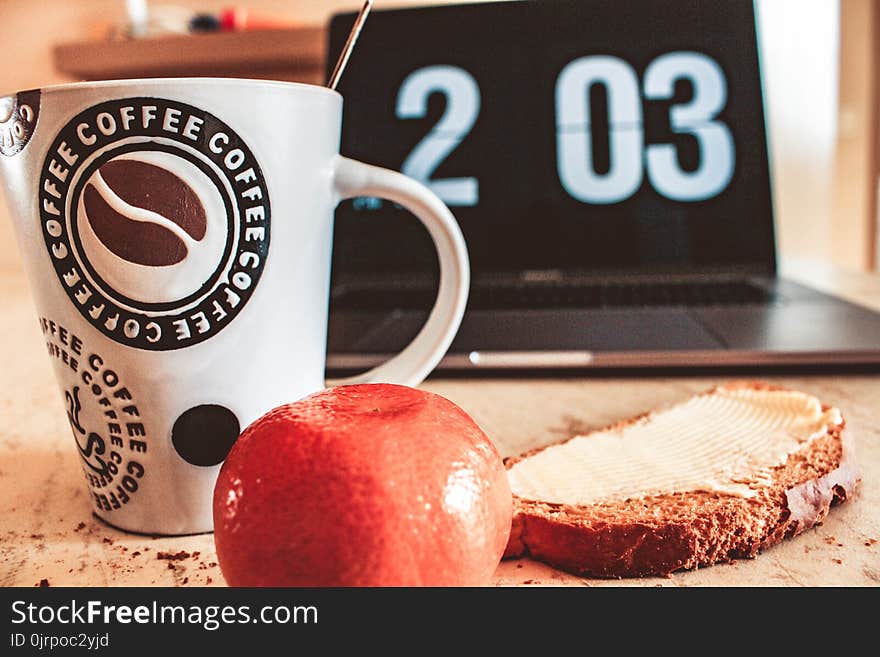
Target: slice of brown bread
(663, 530)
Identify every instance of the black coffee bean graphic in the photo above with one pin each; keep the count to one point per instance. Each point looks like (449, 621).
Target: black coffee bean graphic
(148, 187)
(203, 435)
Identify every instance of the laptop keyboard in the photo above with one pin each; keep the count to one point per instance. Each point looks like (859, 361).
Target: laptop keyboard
(549, 296)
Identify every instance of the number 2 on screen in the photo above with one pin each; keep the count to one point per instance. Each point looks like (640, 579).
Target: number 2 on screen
(575, 164)
(462, 109)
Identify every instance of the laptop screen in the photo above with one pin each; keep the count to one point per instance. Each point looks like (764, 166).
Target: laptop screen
(584, 135)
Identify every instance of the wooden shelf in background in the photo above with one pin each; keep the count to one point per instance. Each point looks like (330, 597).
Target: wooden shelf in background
(289, 54)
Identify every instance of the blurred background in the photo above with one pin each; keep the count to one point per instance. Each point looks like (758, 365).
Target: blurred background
(821, 62)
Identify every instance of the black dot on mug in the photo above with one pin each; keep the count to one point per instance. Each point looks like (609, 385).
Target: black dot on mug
(203, 435)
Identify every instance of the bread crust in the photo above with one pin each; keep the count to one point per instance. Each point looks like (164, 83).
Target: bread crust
(661, 534)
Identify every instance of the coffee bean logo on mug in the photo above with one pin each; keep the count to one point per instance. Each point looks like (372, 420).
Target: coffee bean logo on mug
(156, 218)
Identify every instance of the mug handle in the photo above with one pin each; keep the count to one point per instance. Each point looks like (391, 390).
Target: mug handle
(412, 365)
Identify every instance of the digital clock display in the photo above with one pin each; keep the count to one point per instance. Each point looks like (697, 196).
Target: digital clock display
(592, 135)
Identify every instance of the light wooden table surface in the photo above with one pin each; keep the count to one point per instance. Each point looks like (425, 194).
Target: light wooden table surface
(47, 532)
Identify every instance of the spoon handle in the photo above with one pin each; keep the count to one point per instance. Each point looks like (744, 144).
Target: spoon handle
(349, 44)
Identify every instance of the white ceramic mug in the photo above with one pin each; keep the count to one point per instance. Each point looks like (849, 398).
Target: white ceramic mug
(177, 235)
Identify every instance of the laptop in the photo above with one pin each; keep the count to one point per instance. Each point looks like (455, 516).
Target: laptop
(607, 163)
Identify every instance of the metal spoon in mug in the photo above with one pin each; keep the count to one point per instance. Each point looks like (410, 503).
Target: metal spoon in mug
(349, 45)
